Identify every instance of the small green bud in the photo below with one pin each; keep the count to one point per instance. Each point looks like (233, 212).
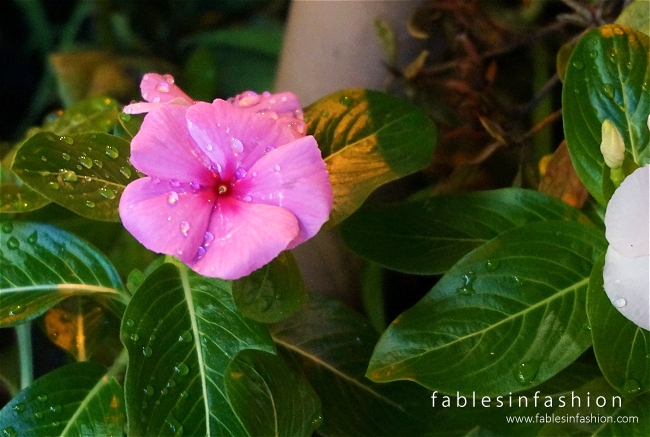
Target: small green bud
(612, 146)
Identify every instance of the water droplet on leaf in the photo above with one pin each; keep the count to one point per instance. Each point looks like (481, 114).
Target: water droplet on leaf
(491, 265)
(126, 172)
(578, 65)
(107, 193)
(69, 176)
(631, 386)
(112, 152)
(7, 227)
(525, 372)
(41, 398)
(148, 390)
(90, 204)
(86, 161)
(19, 408)
(346, 101)
(147, 351)
(13, 243)
(130, 323)
(181, 369)
(186, 337)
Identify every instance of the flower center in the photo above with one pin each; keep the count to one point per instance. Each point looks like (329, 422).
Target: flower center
(222, 189)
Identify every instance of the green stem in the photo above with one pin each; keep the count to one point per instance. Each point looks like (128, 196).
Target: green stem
(24, 333)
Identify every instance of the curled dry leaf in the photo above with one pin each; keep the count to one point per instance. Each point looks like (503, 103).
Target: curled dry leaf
(560, 179)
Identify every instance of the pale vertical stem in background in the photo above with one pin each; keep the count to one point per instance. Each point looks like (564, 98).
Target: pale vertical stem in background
(24, 334)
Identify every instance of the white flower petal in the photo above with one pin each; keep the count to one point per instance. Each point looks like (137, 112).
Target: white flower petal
(627, 284)
(627, 219)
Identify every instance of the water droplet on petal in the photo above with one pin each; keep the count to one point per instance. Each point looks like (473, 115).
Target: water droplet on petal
(249, 98)
(254, 174)
(247, 199)
(208, 238)
(236, 145)
(184, 227)
(240, 173)
(163, 87)
(200, 253)
(175, 183)
(172, 197)
(277, 168)
(619, 302)
(168, 78)
(195, 186)
(269, 149)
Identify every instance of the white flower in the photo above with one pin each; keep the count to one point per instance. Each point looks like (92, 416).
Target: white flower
(627, 262)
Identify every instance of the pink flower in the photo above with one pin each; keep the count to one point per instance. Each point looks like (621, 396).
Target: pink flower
(227, 190)
(160, 90)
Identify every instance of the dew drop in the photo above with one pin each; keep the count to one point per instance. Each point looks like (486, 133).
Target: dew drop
(254, 174)
(578, 65)
(468, 284)
(126, 172)
(168, 78)
(608, 90)
(135, 337)
(174, 426)
(249, 98)
(13, 243)
(186, 337)
(125, 117)
(209, 147)
(183, 395)
(181, 369)
(269, 149)
(38, 415)
(79, 167)
(55, 409)
(619, 302)
(33, 237)
(631, 386)
(629, 65)
(346, 101)
(9, 432)
(7, 227)
(184, 227)
(525, 372)
(172, 197)
(208, 238)
(147, 351)
(130, 323)
(67, 140)
(236, 145)
(69, 176)
(53, 185)
(43, 158)
(19, 408)
(163, 87)
(200, 253)
(247, 198)
(86, 161)
(325, 114)
(174, 183)
(164, 391)
(107, 193)
(593, 54)
(90, 204)
(65, 157)
(277, 168)
(148, 390)
(41, 398)
(195, 186)
(112, 152)
(491, 265)
(617, 282)
(576, 90)
(240, 173)
(56, 423)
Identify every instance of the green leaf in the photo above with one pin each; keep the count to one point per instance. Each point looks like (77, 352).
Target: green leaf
(368, 138)
(621, 347)
(272, 293)
(372, 296)
(429, 236)
(17, 197)
(331, 345)
(637, 422)
(42, 265)
(269, 398)
(129, 125)
(181, 331)
(98, 114)
(85, 173)
(636, 15)
(508, 316)
(81, 399)
(607, 78)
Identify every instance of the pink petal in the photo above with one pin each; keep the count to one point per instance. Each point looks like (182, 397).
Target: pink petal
(244, 237)
(292, 177)
(164, 149)
(283, 107)
(142, 107)
(167, 217)
(627, 217)
(627, 284)
(242, 137)
(162, 89)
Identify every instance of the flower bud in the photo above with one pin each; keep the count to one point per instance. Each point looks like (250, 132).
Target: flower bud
(612, 146)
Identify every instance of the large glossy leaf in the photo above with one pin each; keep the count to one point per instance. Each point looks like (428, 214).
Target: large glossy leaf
(616, 416)
(621, 347)
(331, 345)
(85, 173)
(508, 316)
(42, 265)
(368, 138)
(181, 331)
(15, 196)
(81, 399)
(269, 398)
(607, 78)
(428, 236)
(273, 292)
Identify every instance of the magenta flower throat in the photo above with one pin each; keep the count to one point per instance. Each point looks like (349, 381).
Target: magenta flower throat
(227, 189)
